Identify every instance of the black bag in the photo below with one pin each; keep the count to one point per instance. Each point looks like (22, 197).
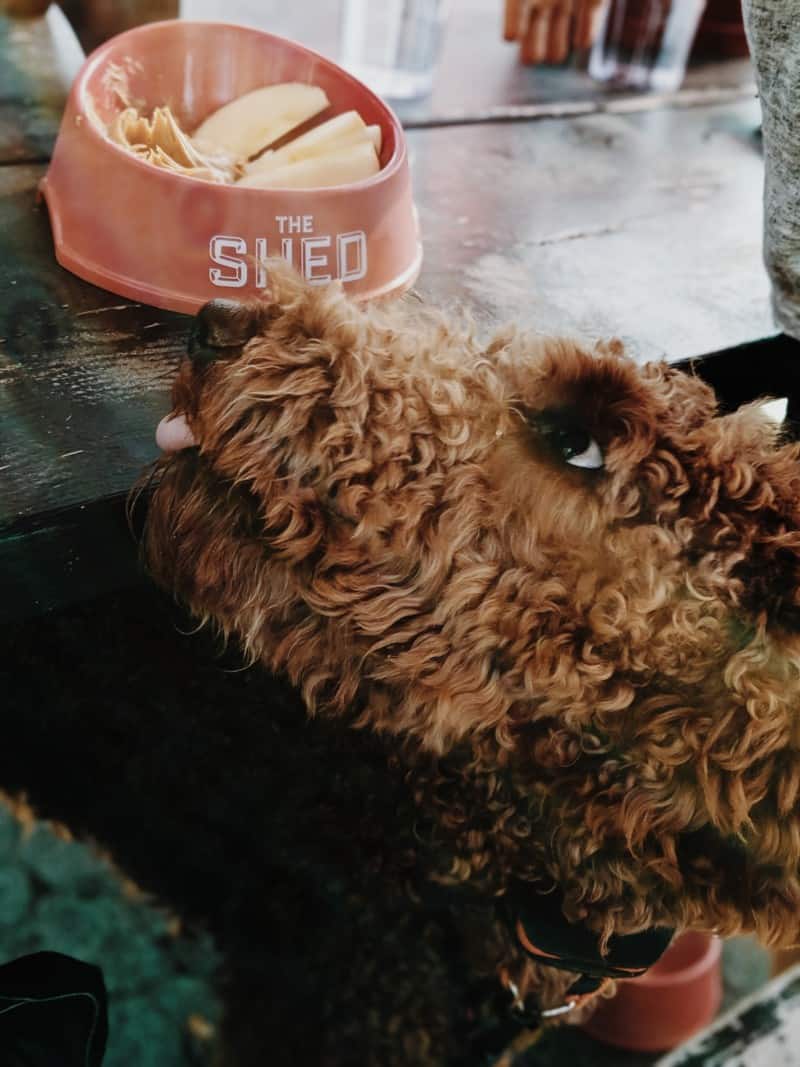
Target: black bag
(53, 1012)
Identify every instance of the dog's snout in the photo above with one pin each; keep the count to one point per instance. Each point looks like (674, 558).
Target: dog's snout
(221, 325)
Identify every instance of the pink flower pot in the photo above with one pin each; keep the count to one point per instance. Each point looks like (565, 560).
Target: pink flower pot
(678, 996)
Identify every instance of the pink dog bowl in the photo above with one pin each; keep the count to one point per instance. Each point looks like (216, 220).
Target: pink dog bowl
(678, 996)
(176, 242)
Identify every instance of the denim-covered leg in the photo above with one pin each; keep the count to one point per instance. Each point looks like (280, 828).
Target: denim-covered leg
(773, 31)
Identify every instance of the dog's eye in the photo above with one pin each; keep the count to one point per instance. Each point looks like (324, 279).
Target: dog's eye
(569, 440)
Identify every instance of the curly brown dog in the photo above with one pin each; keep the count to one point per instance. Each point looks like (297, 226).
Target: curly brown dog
(555, 596)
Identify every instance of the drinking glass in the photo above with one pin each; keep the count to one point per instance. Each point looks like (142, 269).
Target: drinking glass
(392, 45)
(644, 44)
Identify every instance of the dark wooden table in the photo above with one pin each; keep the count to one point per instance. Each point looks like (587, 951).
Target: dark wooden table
(569, 209)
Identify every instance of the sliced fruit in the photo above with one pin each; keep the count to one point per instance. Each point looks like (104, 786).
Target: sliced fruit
(349, 164)
(376, 136)
(332, 136)
(252, 122)
(328, 137)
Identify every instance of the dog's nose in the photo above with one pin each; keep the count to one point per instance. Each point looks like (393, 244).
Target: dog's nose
(198, 346)
(221, 325)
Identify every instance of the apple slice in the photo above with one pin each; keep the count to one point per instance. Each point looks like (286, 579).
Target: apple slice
(295, 151)
(349, 164)
(328, 137)
(376, 136)
(253, 121)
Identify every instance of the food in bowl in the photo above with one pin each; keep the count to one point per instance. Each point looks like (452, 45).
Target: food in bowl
(160, 141)
(233, 144)
(344, 148)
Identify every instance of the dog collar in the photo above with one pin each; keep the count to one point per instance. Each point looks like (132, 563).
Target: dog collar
(537, 923)
(546, 936)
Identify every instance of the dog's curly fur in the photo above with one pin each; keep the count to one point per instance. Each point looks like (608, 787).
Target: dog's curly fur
(587, 678)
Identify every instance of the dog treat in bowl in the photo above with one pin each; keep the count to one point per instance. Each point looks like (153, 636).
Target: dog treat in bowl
(160, 141)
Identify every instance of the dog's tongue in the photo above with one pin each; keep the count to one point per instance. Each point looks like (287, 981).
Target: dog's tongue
(173, 434)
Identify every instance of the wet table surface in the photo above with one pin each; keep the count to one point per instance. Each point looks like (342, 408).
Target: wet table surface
(594, 215)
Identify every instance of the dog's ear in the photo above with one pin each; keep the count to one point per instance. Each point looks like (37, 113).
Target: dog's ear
(222, 327)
